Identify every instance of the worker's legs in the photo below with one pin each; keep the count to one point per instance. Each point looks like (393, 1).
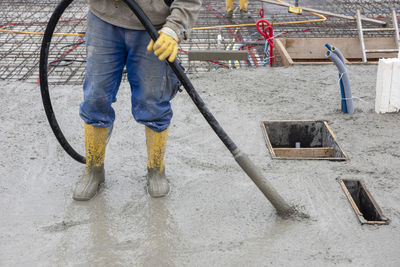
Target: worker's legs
(153, 85)
(105, 56)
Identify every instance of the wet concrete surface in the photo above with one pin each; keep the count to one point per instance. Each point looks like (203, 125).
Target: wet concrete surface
(214, 215)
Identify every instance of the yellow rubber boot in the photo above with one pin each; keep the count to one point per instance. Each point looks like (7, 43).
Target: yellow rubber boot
(229, 5)
(95, 147)
(229, 9)
(243, 5)
(243, 9)
(157, 183)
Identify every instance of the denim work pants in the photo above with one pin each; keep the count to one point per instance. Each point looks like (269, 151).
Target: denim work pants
(153, 84)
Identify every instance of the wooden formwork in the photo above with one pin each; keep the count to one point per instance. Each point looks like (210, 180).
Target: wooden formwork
(312, 50)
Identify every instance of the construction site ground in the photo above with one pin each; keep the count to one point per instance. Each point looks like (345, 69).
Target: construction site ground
(214, 215)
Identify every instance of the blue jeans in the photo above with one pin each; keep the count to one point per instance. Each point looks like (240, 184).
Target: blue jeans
(153, 84)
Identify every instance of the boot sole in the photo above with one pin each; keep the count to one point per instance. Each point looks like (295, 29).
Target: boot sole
(86, 198)
(166, 195)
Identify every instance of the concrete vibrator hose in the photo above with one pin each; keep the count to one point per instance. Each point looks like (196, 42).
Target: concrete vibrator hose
(241, 158)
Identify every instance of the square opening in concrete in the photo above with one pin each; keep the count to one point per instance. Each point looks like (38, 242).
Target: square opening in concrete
(364, 205)
(302, 140)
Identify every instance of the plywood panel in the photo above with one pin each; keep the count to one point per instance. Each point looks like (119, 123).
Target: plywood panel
(320, 152)
(314, 48)
(286, 59)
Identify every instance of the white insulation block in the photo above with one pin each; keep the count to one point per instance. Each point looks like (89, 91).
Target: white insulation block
(395, 95)
(388, 86)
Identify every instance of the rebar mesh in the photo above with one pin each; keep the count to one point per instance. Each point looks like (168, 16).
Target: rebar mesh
(19, 53)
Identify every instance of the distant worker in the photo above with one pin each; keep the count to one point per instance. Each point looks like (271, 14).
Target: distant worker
(115, 39)
(242, 6)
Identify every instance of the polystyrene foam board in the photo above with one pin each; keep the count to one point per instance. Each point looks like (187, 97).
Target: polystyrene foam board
(395, 92)
(384, 86)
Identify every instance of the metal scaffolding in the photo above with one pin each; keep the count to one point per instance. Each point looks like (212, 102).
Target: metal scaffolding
(23, 21)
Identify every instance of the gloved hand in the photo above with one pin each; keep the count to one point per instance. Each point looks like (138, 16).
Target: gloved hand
(165, 47)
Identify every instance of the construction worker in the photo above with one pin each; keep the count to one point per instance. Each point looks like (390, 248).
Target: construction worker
(116, 39)
(242, 6)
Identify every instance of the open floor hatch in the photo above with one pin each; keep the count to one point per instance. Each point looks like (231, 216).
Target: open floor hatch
(364, 205)
(302, 140)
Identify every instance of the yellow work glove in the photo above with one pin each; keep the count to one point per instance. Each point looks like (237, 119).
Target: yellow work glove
(165, 47)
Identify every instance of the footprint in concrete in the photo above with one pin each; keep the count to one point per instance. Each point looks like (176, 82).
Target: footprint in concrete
(62, 226)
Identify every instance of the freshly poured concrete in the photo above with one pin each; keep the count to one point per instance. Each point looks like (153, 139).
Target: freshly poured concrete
(214, 215)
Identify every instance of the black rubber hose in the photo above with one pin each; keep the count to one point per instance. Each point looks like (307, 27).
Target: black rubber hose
(154, 35)
(44, 86)
(241, 158)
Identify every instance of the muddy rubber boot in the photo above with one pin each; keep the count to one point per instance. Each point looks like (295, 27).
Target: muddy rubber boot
(87, 188)
(157, 183)
(244, 14)
(229, 14)
(95, 147)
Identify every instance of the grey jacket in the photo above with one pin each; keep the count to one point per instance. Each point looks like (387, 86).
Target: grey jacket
(180, 17)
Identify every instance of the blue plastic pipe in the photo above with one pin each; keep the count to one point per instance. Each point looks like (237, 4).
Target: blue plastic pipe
(344, 79)
(341, 57)
(339, 54)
